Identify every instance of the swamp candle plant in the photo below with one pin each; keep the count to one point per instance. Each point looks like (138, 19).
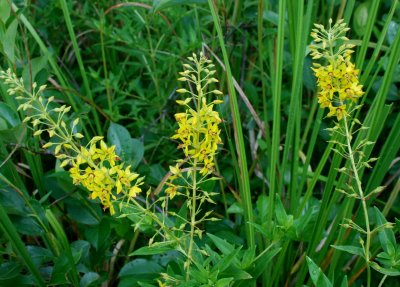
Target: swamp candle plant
(95, 166)
(98, 168)
(199, 134)
(339, 91)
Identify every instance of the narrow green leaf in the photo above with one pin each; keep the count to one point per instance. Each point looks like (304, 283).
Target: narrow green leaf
(156, 248)
(350, 249)
(317, 276)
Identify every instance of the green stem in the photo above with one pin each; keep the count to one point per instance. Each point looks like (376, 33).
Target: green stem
(194, 178)
(362, 197)
(383, 280)
(192, 219)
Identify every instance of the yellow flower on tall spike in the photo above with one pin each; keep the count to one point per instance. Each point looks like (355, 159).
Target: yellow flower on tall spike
(198, 127)
(93, 166)
(338, 81)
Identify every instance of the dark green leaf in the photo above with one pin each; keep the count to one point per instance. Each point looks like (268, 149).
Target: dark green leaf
(140, 269)
(89, 279)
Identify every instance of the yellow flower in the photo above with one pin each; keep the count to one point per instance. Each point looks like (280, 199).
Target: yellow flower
(338, 81)
(339, 111)
(101, 176)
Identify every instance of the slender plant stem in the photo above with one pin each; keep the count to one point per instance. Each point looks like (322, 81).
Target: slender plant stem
(362, 197)
(383, 280)
(192, 219)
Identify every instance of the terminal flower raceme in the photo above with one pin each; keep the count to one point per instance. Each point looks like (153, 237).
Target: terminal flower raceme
(337, 80)
(198, 126)
(95, 166)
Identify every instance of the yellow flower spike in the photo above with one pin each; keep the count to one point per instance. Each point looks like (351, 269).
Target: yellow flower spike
(338, 80)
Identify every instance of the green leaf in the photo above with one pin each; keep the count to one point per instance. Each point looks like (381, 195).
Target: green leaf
(98, 235)
(9, 115)
(181, 219)
(350, 249)
(221, 244)
(39, 255)
(344, 282)
(8, 41)
(129, 149)
(81, 213)
(140, 269)
(5, 10)
(262, 261)
(37, 64)
(317, 276)
(386, 235)
(281, 216)
(224, 282)
(156, 248)
(386, 271)
(89, 279)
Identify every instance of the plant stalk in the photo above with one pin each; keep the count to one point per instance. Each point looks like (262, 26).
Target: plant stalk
(363, 200)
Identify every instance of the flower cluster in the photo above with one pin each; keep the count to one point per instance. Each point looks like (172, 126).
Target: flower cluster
(338, 79)
(198, 129)
(94, 166)
(96, 169)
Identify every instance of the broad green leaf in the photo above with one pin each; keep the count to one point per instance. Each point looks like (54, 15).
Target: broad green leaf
(89, 279)
(317, 276)
(350, 249)
(39, 254)
(129, 149)
(37, 64)
(98, 235)
(27, 225)
(140, 269)
(81, 213)
(9, 270)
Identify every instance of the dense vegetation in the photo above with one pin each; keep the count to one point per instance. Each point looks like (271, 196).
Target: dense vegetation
(199, 143)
